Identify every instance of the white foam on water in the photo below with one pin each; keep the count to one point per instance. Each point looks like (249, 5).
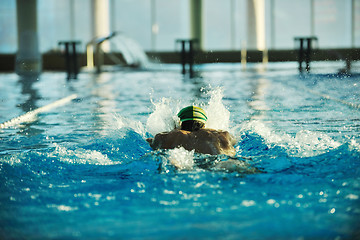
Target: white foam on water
(313, 143)
(218, 115)
(304, 144)
(122, 122)
(80, 156)
(13, 160)
(164, 118)
(354, 145)
(181, 158)
(63, 208)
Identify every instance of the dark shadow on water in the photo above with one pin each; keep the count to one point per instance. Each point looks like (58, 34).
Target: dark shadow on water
(29, 92)
(31, 95)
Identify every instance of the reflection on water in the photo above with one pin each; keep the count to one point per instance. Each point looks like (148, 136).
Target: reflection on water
(105, 105)
(29, 92)
(257, 102)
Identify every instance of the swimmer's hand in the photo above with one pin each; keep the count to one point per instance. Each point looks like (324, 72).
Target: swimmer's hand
(151, 142)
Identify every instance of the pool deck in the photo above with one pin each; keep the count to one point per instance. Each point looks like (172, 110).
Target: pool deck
(55, 60)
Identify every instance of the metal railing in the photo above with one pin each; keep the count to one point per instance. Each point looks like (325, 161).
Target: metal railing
(99, 53)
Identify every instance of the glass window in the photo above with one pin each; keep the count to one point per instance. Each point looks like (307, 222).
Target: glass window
(239, 26)
(172, 19)
(53, 23)
(292, 18)
(81, 27)
(156, 24)
(8, 39)
(133, 18)
(333, 23)
(356, 22)
(216, 25)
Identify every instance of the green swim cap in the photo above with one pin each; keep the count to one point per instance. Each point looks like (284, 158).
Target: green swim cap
(192, 113)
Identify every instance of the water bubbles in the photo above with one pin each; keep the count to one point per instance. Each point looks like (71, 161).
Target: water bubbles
(140, 185)
(169, 203)
(80, 156)
(62, 208)
(273, 203)
(168, 192)
(248, 203)
(199, 184)
(352, 197)
(323, 194)
(110, 198)
(219, 210)
(300, 196)
(332, 210)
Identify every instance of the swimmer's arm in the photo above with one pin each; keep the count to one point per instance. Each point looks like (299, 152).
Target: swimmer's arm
(153, 144)
(167, 140)
(150, 141)
(156, 142)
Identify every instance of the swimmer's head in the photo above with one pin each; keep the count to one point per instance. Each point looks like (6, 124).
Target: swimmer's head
(192, 118)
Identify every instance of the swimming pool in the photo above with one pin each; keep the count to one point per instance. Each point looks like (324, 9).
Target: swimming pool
(83, 170)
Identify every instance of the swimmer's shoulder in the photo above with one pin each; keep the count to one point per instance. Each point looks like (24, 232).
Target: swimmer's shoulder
(175, 134)
(211, 131)
(224, 136)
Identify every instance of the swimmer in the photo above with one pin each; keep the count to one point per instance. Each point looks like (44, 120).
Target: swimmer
(194, 136)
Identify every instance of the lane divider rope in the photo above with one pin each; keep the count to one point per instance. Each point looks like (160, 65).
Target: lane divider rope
(328, 97)
(30, 116)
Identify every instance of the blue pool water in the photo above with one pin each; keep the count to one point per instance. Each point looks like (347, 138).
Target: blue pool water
(83, 170)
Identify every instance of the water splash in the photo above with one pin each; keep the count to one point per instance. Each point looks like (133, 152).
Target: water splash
(122, 122)
(218, 115)
(304, 144)
(80, 156)
(181, 158)
(164, 117)
(354, 145)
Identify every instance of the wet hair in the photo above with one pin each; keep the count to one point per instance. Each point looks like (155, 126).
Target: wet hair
(192, 125)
